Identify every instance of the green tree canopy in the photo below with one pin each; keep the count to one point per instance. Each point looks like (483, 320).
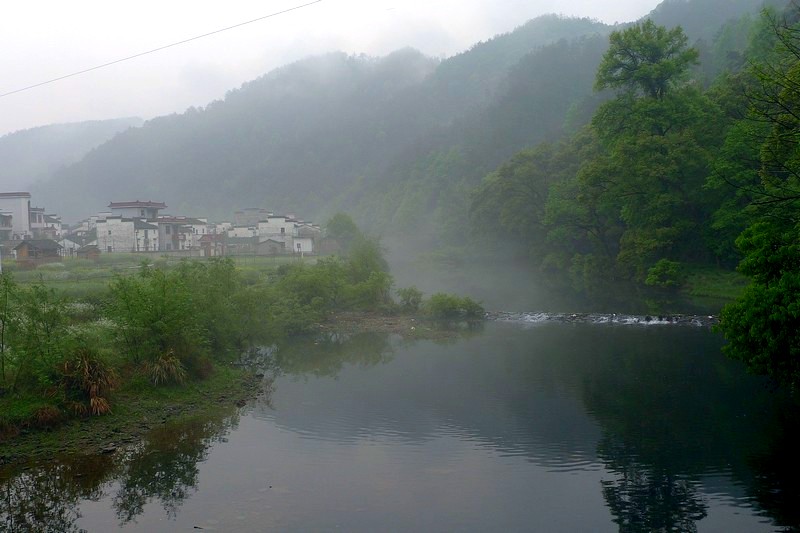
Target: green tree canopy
(762, 326)
(646, 59)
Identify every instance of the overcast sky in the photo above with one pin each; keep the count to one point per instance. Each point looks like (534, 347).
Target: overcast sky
(44, 39)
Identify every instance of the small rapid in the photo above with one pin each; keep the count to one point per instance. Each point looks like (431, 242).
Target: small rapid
(601, 318)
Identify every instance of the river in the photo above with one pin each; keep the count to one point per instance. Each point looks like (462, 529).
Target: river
(514, 426)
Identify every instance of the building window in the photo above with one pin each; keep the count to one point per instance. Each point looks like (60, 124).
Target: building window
(109, 249)
(283, 231)
(109, 232)
(169, 230)
(141, 212)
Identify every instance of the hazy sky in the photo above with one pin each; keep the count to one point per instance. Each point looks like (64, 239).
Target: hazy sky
(43, 39)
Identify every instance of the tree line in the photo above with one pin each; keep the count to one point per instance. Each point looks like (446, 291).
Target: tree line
(670, 174)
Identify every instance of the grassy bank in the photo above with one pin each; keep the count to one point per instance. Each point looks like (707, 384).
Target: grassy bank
(99, 347)
(713, 282)
(138, 407)
(81, 279)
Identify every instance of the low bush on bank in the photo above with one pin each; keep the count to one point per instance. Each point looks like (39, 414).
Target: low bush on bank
(450, 306)
(164, 325)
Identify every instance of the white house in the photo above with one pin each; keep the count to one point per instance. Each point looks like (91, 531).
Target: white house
(303, 245)
(53, 225)
(137, 209)
(36, 219)
(171, 235)
(70, 245)
(18, 205)
(181, 233)
(6, 226)
(117, 234)
(276, 226)
(242, 232)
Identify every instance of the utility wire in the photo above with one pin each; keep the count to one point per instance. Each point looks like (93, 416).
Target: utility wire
(190, 39)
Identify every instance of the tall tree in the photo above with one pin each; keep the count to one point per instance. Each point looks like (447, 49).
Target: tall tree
(658, 135)
(646, 59)
(762, 325)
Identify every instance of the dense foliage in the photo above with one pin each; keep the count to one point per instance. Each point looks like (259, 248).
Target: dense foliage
(687, 141)
(669, 175)
(398, 141)
(166, 325)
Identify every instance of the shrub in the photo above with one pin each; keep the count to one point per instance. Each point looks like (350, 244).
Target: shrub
(371, 293)
(86, 379)
(450, 306)
(166, 369)
(665, 273)
(154, 314)
(200, 367)
(38, 335)
(47, 416)
(410, 299)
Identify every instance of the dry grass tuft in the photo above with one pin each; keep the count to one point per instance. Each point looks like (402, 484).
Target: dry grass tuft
(166, 369)
(47, 416)
(87, 375)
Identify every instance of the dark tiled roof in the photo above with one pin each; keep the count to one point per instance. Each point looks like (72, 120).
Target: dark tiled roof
(140, 224)
(41, 244)
(137, 203)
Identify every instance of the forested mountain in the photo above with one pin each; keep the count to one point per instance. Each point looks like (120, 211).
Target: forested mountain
(671, 175)
(304, 133)
(706, 16)
(398, 141)
(590, 154)
(34, 154)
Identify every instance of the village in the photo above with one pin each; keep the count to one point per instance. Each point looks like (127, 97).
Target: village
(32, 235)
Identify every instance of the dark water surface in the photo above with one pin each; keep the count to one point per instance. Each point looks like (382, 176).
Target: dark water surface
(550, 427)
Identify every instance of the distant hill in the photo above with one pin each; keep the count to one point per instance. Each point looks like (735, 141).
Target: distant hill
(398, 141)
(702, 19)
(34, 154)
(300, 135)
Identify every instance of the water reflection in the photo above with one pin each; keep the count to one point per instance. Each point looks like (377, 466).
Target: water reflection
(326, 354)
(644, 498)
(468, 387)
(162, 468)
(670, 412)
(46, 498)
(773, 482)
(671, 415)
(651, 424)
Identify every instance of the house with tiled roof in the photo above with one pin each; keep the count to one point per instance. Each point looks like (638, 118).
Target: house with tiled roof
(137, 209)
(38, 249)
(119, 234)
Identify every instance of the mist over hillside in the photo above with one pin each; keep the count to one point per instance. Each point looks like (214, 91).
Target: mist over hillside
(396, 140)
(302, 134)
(35, 154)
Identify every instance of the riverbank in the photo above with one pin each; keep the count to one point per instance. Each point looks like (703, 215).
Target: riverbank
(408, 326)
(137, 408)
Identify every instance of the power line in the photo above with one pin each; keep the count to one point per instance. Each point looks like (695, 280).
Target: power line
(190, 39)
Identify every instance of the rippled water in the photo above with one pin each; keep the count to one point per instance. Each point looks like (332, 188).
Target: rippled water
(568, 426)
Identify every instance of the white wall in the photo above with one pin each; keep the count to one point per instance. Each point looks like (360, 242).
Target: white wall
(116, 235)
(19, 207)
(240, 232)
(303, 244)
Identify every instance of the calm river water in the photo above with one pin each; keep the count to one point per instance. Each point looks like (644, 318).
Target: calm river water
(552, 427)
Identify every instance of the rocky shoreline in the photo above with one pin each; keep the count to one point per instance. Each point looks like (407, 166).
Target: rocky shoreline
(706, 321)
